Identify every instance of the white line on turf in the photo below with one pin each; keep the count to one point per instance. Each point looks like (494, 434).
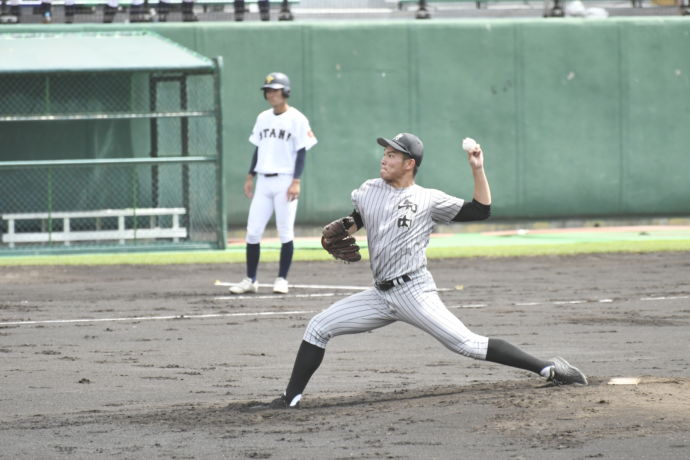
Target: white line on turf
(666, 298)
(579, 301)
(281, 313)
(274, 296)
(315, 286)
(149, 318)
(624, 381)
(303, 286)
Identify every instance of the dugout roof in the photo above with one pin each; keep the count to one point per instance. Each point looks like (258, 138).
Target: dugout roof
(96, 52)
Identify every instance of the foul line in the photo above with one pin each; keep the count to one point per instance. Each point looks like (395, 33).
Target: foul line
(149, 318)
(302, 286)
(313, 286)
(470, 305)
(292, 312)
(275, 296)
(666, 298)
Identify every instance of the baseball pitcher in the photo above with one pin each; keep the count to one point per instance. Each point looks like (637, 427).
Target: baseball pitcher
(399, 216)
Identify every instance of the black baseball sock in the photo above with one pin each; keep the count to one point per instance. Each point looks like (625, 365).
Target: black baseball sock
(502, 352)
(286, 251)
(308, 359)
(253, 253)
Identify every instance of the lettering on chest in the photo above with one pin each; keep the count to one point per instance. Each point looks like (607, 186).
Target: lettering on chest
(406, 213)
(268, 133)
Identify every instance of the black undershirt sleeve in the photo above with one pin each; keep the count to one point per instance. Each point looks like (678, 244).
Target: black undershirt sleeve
(358, 219)
(299, 163)
(255, 157)
(473, 210)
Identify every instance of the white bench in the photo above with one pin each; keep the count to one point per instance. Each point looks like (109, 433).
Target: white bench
(122, 233)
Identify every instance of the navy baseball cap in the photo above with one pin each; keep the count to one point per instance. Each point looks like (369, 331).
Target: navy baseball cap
(407, 143)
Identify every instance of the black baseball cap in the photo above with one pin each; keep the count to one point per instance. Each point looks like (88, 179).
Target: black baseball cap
(407, 143)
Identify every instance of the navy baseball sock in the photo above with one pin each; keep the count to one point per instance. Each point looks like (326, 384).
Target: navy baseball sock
(286, 251)
(253, 252)
(308, 359)
(502, 352)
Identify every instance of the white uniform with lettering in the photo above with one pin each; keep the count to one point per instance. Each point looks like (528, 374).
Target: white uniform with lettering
(398, 224)
(278, 138)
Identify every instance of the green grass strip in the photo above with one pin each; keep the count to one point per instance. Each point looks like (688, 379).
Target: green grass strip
(316, 254)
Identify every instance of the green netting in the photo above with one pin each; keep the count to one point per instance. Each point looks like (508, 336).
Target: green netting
(97, 156)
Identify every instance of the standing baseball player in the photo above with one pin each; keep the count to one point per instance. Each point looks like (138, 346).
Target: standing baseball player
(399, 217)
(281, 136)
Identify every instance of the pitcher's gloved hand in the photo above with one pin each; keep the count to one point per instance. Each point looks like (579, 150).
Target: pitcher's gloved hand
(338, 242)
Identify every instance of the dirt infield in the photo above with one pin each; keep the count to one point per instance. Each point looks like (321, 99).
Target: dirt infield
(157, 362)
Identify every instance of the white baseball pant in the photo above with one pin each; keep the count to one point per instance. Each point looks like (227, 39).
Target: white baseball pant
(270, 194)
(415, 302)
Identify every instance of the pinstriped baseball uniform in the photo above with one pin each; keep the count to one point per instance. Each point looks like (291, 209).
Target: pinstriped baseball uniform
(402, 219)
(398, 224)
(399, 216)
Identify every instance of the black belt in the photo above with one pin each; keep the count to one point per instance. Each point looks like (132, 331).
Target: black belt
(386, 285)
(270, 175)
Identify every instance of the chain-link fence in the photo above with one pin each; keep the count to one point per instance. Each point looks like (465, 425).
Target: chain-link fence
(101, 95)
(122, 202)
(101, 158)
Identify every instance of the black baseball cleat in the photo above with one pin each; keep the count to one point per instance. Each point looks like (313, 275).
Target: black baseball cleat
(278, 403)
(563, 373)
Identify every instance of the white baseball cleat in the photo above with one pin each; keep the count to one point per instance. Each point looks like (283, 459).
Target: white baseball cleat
(564, 373)
(280, 286)
(245, 286)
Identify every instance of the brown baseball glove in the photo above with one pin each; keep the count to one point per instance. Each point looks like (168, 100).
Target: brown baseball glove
(338, 242)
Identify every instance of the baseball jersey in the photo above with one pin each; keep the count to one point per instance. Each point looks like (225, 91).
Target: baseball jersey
(278, 138)
(399, 222)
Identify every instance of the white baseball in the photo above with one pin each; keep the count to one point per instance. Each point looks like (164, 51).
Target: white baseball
(468, 144)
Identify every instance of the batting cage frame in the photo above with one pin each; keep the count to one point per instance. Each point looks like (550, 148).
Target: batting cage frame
(114, 143)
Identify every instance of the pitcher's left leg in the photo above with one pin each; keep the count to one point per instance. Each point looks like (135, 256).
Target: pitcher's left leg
(418, 304)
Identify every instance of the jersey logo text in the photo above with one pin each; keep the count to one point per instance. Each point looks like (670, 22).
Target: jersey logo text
(407, 204)
(280, 134)
(404, 222)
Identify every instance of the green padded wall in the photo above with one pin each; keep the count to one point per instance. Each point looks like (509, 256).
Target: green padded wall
(578, 118)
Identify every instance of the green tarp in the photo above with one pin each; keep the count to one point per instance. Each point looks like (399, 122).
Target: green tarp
(95, 52)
